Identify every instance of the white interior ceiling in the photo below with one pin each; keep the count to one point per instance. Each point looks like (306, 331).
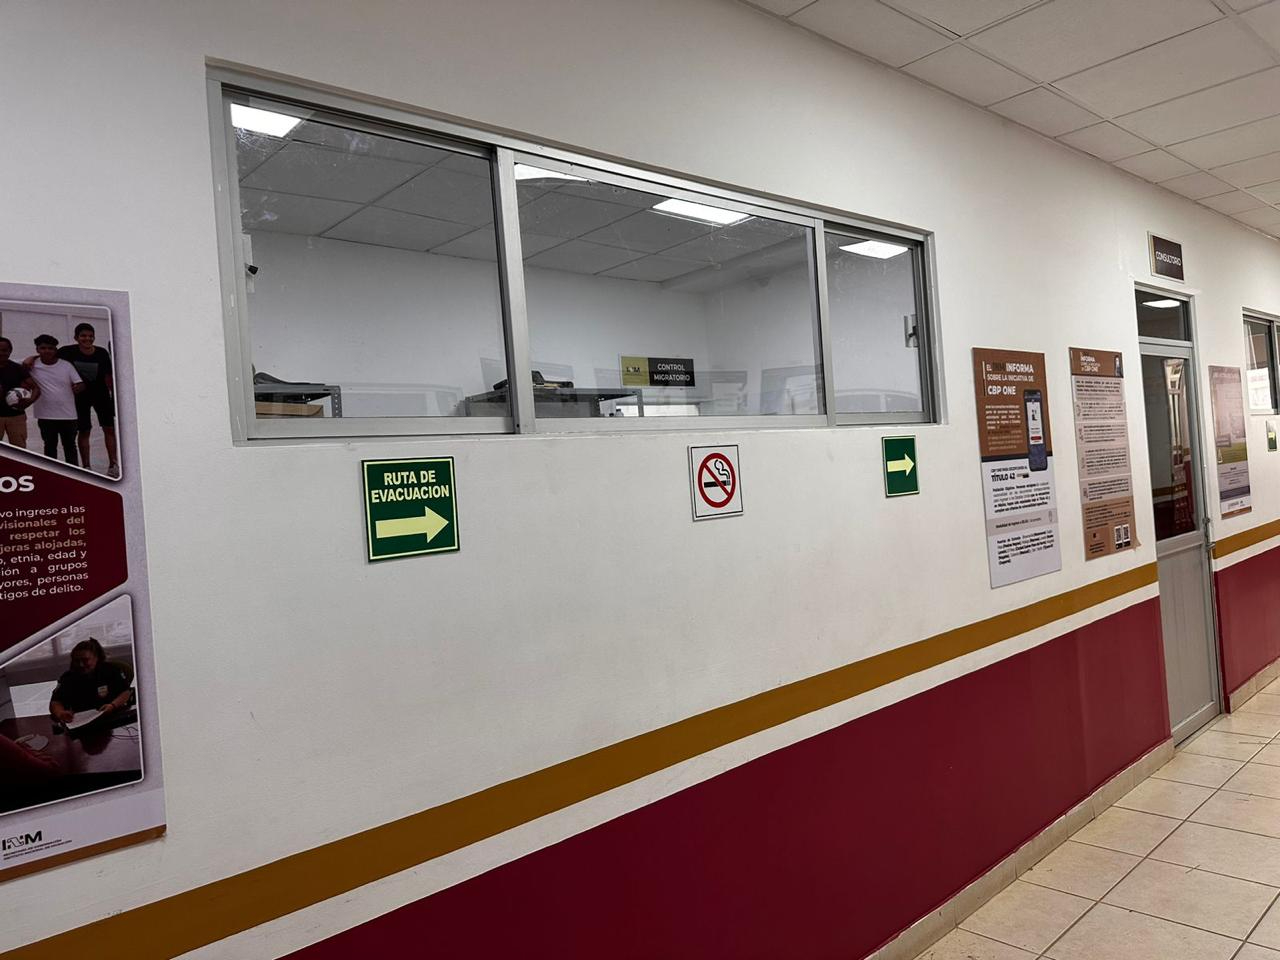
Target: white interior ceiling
(324, 180)
(1183, 93)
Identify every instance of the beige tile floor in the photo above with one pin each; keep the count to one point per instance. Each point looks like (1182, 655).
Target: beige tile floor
(1186, 866)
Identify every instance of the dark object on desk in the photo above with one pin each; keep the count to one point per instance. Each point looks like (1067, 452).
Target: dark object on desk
(269, 389)
(538, 381)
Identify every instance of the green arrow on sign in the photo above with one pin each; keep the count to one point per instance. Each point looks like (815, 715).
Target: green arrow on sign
(410, 507)
(430, 523)
(901, 466)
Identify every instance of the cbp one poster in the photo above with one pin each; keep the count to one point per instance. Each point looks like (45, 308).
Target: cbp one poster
(79, 739)
(1016, 447)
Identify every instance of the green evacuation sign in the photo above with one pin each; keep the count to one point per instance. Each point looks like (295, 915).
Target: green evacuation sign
(410, 507)
(901, 476)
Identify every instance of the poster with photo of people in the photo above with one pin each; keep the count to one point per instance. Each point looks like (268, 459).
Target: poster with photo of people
(80, 771)
(58, 383)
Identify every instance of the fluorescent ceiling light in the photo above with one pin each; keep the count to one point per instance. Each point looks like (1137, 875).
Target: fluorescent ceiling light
(526, 172)
(262, 121)
(1162, 304)
(700, 211)
(879, 249)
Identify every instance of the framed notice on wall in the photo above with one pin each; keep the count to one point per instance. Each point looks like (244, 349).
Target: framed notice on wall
(1102, 452)
(1015, 444)
(79, 737)
(1230, 441)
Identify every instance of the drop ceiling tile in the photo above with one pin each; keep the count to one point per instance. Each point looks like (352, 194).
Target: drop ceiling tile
(1250, 173)
(1156, 165)
(1231, 103)
(783, 8)
(365, 144)
(654, 269)
(1267, 192)
(971, 75)
(648, 232)
(1197, 186)
(391, 228)
(1106, 141)
(1045, 111)
(872, 28)
(301, 168)
(964, 16)
(1234, 202)
(1228, 146)
(482, 245)
(446, 195)
(578, 256)
(1210, 55)
(253, 148)
(1262, 219)
(597, 190)
(1266, 21)
(285, 213)
(735, 241)
(562, 215)
(1066, 36)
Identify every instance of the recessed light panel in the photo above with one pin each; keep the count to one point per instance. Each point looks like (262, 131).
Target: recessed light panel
(700, 211)
(879, 249)
(262, 121)
(1162, 304)
(526, 172)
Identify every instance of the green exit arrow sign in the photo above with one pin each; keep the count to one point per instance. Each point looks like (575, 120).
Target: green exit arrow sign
(410, 507)
(901, 468)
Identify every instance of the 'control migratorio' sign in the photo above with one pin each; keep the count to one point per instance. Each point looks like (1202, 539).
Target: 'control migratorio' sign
(410, 507)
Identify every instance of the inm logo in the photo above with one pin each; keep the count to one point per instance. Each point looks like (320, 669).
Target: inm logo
(21, 840)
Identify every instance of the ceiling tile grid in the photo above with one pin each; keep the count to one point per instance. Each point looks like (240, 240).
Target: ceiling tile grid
(1182, 93)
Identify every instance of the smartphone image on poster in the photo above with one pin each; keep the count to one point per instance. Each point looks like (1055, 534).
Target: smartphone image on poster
(1037, 455)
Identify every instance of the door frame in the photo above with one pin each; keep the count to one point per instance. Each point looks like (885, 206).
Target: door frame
(1188, 350)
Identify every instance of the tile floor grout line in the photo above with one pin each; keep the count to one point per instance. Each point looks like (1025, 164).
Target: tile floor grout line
(1058, 939)
(1254, 928)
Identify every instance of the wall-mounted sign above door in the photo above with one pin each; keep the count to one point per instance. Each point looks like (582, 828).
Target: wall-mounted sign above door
(1166, 258)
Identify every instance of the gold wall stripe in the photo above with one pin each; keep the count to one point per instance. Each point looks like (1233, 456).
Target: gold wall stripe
(1246, 538)
(172, 926)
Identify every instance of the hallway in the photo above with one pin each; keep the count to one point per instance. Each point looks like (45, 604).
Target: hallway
(1186, 866)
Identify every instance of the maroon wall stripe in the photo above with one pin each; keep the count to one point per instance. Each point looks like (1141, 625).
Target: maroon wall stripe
(1248, 616)
(826, 848)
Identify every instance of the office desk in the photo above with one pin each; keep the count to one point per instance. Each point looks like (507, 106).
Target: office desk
(106, 750)
(552, 402)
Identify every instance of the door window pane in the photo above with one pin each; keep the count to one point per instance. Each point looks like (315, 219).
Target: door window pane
(875, 333)
(372, 279)
(640, 304)
(1160, 315)
(1260, 354)
(1169, 448)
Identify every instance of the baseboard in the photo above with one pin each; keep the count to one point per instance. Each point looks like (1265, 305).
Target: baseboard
(932, 927)
(1251, 686)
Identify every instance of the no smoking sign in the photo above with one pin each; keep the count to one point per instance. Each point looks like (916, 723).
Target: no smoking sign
(715, 482)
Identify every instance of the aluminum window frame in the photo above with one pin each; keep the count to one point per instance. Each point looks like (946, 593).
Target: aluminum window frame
(925, 358)
(1272, 323)
(504, 150)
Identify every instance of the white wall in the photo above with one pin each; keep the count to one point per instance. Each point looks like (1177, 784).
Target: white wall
(508, 663)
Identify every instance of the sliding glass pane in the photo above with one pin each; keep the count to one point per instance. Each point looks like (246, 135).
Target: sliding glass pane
(641, 304)
(875, 325)
(1260, 356)
(372, 278)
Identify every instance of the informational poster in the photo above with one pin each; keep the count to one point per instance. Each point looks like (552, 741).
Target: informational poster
(1016, 447)
(79, 738)
(1102, 452)
(1230, 440)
